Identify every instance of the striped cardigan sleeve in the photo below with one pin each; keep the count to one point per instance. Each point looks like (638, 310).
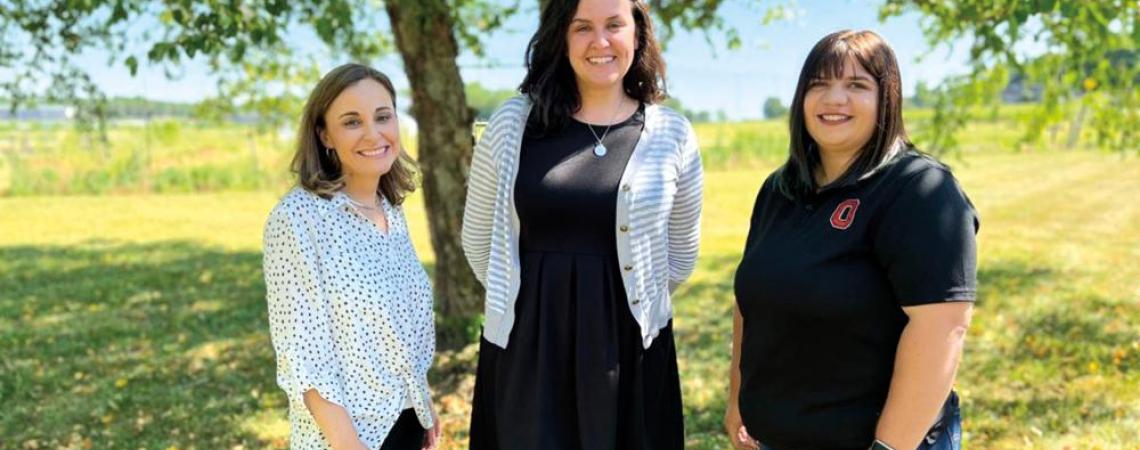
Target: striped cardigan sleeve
(478, 211)
(685, 217)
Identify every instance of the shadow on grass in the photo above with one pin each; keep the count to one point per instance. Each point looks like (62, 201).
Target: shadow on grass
(1000, 280)
(136, 345)
(158, 345)
(1052, 415)
(1051, 355)
(703, 331)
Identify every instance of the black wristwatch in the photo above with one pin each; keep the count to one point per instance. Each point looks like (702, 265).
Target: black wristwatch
(880, 445)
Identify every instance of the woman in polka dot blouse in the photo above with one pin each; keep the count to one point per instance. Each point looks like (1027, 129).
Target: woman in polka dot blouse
(350, 306)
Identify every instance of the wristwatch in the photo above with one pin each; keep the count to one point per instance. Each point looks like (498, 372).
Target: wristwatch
(880, 445)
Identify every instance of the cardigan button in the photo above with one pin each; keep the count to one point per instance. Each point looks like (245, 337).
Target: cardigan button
(628, 268)
(624, 228)
(635, 301)
(625, 187)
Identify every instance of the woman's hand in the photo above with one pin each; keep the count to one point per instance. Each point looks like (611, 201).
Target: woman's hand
(334, 422)
(431, 437)
(734, 426)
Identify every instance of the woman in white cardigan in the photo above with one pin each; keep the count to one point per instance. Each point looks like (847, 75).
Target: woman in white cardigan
(582, 216)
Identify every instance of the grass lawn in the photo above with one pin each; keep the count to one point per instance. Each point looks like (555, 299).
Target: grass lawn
(138, 321)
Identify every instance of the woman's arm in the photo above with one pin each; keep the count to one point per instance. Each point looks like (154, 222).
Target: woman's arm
(334, 422)
(300, 326)
(733, 424)
(479, 208)
(925, 364)
(685, 217)
(926, 241)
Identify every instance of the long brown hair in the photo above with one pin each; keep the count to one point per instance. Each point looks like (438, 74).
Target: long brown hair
(550, 82)
(318, 169)
(826, 60)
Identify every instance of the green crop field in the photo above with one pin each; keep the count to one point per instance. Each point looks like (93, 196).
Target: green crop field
(137, 320)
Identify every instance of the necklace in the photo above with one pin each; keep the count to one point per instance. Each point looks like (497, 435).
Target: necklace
(361, 205)
(381, 219)
(600, 148)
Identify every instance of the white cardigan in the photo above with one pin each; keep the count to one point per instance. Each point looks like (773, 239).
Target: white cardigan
(658, 217)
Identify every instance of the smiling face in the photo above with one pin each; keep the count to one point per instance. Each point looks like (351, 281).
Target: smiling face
(601, 41)
(840, 113)
(361, 126)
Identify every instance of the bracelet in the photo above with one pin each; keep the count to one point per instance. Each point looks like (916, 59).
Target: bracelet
(880, 445)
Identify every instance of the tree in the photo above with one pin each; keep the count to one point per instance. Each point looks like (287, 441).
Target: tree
(773, 108)
(675, 104)
(260, 70)
(425, 37)
(923, 95)
(1089, 59)
(248, 45)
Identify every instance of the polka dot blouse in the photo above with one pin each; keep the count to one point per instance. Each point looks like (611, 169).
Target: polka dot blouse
(350, 315)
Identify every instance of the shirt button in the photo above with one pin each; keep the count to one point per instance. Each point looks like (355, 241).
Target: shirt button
(624, 228)
(628, 268)
(625, 187)
(635, 301)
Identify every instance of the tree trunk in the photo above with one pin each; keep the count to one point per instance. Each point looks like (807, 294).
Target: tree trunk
(426, 41)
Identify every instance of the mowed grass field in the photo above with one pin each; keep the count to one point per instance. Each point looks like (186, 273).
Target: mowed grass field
(138, 321)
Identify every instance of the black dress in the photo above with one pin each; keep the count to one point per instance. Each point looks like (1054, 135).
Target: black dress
(574, 374)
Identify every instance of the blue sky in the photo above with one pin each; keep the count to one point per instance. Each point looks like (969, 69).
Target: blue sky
(702, 77)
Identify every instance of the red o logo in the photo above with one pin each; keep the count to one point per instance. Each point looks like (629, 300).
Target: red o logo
(844, 214)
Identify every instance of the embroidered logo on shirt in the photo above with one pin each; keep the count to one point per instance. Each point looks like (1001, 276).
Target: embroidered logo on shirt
(844, 214)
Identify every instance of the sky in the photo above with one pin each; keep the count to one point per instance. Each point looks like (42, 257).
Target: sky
(702, 76)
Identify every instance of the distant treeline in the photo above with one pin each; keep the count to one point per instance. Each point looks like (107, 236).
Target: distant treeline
(117, 108)
(481, 99)
(138, 107)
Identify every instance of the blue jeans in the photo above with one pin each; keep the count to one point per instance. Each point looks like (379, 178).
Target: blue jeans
(946, 434)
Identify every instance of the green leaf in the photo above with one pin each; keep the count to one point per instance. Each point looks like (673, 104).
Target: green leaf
(119, 13)
(133, 65)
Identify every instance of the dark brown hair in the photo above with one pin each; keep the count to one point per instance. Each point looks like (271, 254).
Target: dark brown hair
(318, 169)
(550, 82)
(827, 60)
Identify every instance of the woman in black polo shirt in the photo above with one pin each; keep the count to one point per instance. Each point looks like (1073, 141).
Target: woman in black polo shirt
(858, 276)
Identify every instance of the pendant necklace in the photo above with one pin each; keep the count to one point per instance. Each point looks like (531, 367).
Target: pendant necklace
(600, 148)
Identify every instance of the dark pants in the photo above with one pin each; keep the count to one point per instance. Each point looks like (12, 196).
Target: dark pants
(946, 434)
(406, 434)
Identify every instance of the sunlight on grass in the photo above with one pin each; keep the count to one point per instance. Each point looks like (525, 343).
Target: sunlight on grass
(269, 427)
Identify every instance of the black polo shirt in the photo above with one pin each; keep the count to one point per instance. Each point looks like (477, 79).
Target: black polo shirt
(821, 288)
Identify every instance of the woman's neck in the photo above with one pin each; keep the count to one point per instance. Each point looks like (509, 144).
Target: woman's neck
(833, 163)
(362, 189)
(603, 106)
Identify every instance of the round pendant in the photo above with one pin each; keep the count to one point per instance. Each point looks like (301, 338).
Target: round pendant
(600, 150)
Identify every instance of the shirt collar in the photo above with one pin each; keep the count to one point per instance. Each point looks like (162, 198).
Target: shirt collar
(338, 201)
(341, 201)
(888, 158)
